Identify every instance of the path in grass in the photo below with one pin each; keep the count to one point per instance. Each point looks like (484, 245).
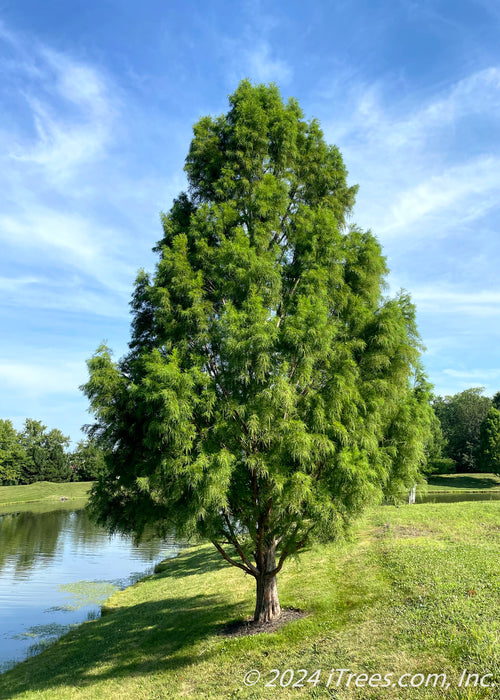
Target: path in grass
(417, 590)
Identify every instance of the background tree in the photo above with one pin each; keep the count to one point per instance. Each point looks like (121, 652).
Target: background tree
(87, 461)
(496, 401)
(489, 442)
(266, 397)
(46, 459)
(12, 455)
(461, 417)
(435, 462)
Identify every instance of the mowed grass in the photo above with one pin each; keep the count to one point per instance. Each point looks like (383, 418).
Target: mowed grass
(415, 590)
(451, 483)
(42, 491)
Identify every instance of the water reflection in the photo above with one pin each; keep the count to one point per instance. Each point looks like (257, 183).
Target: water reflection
(26, 541)
(457, 497)
(56, 568)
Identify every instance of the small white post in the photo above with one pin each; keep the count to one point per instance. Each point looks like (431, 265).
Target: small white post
(412, 494)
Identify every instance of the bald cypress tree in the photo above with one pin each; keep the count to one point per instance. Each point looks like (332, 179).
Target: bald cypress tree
(269, 392)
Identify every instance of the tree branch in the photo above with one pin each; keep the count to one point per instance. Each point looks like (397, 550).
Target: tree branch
(286, 552)
(282, 221)
(292, 292)
(231, 561)
(213, 371)
(238, 548)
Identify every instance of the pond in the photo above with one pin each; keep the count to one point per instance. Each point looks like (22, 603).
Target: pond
(458, 497)
(56, 569)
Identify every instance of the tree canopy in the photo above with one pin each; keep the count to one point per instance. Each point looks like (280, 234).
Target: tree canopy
(489, 442)
(270, 390)
(461, 417)
(87, 461)
(45, 456)
(12, 454)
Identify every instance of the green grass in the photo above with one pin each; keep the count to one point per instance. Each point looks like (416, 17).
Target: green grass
(450, 483)
(416, 590)
(42, 491)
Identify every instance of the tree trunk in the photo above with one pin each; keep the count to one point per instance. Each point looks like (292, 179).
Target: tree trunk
(267, 606)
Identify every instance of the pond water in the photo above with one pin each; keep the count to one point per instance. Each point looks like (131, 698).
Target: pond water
(458, 497)
(56, 569)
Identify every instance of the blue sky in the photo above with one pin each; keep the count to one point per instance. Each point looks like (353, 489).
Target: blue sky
(97, 103)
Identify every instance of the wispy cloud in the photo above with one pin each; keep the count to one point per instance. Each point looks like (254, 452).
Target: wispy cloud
(451, 381)
(441, 300)
(58, 184)
(471, 188)
(73, 110)
(36, 379)
(476, 375)
(415, 161)
(263, 66)
(253, 57)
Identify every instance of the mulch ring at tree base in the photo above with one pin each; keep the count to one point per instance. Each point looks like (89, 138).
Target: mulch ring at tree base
(244, 627)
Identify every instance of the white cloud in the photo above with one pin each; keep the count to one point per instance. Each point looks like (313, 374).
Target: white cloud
(413, 160)
(448, 382)
(259, 63)
(477, 376)
(13, 285)
(465, 188)
(34, 379)
(450, 301)
(48, 229)
(73, 109)
(49, 238)
(263, 67)
(54, 178)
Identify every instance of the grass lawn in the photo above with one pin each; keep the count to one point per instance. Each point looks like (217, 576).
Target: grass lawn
(42, 491)
(450, 483)
(415, 590)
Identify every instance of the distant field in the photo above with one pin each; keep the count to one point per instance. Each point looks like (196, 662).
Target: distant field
(443, 483)
(43, 491)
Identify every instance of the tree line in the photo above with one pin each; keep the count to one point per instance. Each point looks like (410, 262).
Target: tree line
(38, 454)
(465, 433)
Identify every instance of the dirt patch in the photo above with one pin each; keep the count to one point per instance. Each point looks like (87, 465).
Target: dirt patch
(400, 531)
(246, 627)
(410, 531)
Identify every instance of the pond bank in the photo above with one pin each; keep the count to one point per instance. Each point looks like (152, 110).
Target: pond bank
(43, 491)
(470, 483)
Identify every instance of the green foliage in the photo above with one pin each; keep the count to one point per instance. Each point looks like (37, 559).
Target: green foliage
(489, 442)
(87, 461)
(435, 462)
(441, 465)
(12, 455)
(267, 394)
(461, 417)
(46, 459)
